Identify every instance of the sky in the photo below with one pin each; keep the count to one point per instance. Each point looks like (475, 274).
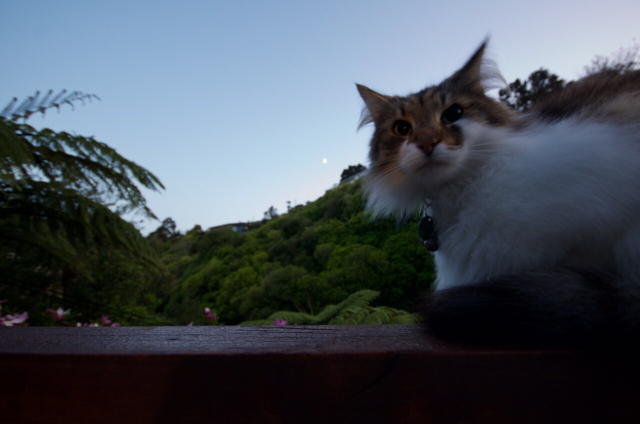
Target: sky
(235, 104)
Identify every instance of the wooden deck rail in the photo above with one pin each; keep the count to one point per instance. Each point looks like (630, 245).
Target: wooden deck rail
(300, 374)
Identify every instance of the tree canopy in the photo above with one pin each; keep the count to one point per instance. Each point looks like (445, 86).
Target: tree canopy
(301, 262)
(351, 171)
(522, 95)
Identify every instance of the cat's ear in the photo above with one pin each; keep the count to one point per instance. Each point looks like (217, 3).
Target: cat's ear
(375, 106)
(470, 76)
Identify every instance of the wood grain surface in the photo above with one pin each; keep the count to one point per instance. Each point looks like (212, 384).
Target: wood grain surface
(300, 374)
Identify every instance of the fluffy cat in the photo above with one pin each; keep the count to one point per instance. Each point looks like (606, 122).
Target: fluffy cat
(537, 214)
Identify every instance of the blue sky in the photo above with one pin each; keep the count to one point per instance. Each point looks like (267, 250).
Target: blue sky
(233, 105)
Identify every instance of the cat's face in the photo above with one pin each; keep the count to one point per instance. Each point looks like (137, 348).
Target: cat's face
(421, 141)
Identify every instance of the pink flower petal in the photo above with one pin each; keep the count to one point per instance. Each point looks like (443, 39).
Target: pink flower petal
(20, 318)
(59, 314)
(17, 319)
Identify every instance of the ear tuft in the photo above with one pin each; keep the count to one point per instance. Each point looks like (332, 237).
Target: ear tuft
(375, 104)
(479, 73)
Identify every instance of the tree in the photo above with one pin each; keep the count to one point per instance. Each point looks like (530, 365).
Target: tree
(272, 213)
(351, 171)
(166, 230)
(290, 283)
(62, 198)
(522, 95)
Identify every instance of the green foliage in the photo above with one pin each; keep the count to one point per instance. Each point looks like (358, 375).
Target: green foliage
(54, 188)
(354, 309)
(63, 241)
(316, 255)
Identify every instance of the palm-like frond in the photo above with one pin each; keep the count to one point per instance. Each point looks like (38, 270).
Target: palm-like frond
(60, 221)
(93, 168)
(371, 315)
(35, 104)
(354, 309)
(56, 189)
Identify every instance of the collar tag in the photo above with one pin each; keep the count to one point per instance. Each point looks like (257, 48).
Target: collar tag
(427, 233)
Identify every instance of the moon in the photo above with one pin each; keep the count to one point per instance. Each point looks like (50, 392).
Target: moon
(324, 160)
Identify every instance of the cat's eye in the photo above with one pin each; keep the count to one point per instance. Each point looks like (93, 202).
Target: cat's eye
(402, 128)
(452, 114)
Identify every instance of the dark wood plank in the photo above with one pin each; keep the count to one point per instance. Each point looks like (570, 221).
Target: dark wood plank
(300, 374)
(213, 340)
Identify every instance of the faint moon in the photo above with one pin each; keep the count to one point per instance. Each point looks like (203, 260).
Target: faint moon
(324, 160)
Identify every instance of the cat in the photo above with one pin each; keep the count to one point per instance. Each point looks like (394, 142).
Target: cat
(536, 214)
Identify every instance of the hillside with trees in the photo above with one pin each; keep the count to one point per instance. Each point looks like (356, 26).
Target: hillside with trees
(316, 255)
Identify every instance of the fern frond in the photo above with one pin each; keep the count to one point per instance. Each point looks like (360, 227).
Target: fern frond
(369, 315)
(93, 168)
(33, 104)
(359, 299)
(61, 222)
(353, 310)
(55, 187)
(15, 155)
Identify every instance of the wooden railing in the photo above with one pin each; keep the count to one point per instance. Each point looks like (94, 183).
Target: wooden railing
(300, 374)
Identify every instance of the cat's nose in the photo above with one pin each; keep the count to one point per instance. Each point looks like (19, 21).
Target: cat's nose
(427, 144)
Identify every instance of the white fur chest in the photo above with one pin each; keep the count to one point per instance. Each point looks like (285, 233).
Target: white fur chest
(557, 194)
